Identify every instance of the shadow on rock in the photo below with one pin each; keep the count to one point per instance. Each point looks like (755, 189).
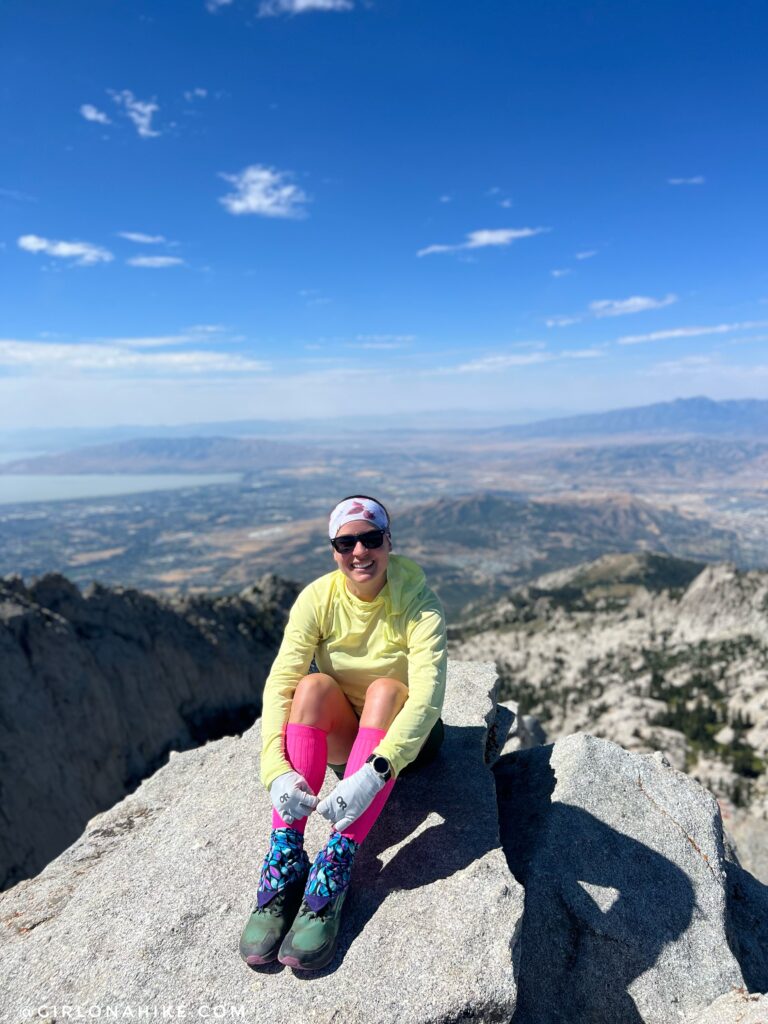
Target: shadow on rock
(436, 849)
(599, 905)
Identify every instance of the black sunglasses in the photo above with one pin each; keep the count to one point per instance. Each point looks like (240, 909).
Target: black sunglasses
(371, 539)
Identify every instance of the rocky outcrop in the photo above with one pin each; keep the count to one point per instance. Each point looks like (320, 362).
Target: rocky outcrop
(633, 913)
(98, 687)
(145, 910)
(652, 653)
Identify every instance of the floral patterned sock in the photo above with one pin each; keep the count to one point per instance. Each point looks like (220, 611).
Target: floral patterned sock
(330, 874)
(285, 862)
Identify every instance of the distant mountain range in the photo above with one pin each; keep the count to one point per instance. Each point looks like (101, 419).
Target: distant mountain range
(705, 417)
(747, 418)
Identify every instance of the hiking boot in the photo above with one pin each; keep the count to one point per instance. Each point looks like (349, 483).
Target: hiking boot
(311, 942)
(267, 926)
(281, 884)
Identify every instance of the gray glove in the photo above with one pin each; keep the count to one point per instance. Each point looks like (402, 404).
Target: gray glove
(351, 797)
(291, 797)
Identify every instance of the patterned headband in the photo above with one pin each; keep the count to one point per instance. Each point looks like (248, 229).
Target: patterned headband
(351, 509)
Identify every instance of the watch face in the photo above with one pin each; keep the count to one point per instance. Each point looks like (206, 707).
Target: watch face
(381, 765)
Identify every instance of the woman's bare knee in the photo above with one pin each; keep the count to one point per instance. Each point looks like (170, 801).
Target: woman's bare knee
(311, 699)
(384, 700)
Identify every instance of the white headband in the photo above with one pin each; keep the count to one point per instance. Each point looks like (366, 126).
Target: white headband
(351, 509)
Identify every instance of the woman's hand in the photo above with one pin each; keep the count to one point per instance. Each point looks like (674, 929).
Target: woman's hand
(291, 797)
(351, 797)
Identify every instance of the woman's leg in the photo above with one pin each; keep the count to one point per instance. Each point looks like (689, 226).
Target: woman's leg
(321, 719)
(383, 702)
(311, 942)
(321, 722)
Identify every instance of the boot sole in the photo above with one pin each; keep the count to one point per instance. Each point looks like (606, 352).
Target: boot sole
(258, 961)
(297, 965)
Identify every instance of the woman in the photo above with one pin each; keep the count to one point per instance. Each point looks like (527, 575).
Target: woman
(376, 634)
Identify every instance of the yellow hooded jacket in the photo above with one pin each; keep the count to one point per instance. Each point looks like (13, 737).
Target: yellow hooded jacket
(399, 635)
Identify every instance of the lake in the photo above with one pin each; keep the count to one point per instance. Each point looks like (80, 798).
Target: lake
(16, 488)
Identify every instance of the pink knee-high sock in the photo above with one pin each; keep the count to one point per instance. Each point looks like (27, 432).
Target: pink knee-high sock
(306, 748)
(365, 743)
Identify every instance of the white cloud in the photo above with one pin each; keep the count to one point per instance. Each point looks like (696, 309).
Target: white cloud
(83, 253)
(155, 262)
(51, 358)
(691, 332)
(562, 321)
(91, 113)
(586, 254)
(272, 8)
(197, 93)
(263, 191)
(562, 272)
(140, 112)
(140, 238)
(202, 333)
(505, 203)
(634, 304)
(698, 180)
(492, 364)
(214, 5)
(484, 237)
(582, 353)
(446, 198)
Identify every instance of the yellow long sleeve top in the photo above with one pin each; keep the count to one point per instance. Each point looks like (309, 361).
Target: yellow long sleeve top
(400, 635)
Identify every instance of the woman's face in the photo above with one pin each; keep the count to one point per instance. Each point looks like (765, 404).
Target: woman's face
(366, 571)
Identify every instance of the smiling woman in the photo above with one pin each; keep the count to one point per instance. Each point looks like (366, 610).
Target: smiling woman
(369, 707)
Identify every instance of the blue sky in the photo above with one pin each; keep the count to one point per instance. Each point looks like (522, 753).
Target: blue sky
(317, 207)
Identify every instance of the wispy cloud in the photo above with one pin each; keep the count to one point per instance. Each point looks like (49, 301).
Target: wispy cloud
(214, 5)
(264, 191)
(445, 198)
(155, 262)
(53, 358)
(91, 113)
(140, 112)
(561, 272)
(586, 254)
(582, 353)
(84, 254)
(634, 304)
(562, 321)
(691, 332)
(399, 339)
(190, 95)
(686, 366)
(273, 8)
(140, 238)
(16, 195)
(494, 363)
(699, 179)
(483, 238)
(381, 342)
(200, 334)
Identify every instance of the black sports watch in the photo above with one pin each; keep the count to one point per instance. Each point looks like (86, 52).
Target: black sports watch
(381, 766)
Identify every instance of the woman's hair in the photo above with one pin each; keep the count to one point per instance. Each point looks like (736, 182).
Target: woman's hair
(368, 497)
